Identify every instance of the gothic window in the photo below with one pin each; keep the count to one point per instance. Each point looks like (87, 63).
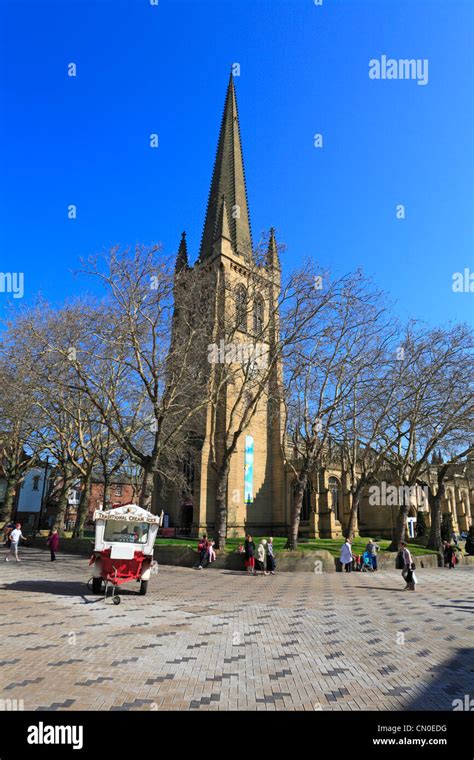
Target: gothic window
(188, 472)
(306, 505)
(241, 308)
(334, 496)
(258, 313)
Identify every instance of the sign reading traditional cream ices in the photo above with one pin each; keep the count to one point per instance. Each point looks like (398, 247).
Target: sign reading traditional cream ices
(130, 512)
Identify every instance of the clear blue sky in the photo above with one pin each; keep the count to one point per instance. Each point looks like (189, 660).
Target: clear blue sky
(304, 70)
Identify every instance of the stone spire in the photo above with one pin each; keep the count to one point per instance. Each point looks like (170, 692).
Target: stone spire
(222, 226)
(182, 257)
(272, 259)
(228, 180)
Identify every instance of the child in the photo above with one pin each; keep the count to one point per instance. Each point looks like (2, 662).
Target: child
(212, 553)
(53, 543)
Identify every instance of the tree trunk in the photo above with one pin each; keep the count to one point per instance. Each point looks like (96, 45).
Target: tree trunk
(292, 542)
(221, 506)
(352, 524)
(148, 483)
(61, 509)
(399, 532)
(83, 508)
(9, 500)
(435, 541)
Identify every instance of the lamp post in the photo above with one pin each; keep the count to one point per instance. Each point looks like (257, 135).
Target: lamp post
(43, 493)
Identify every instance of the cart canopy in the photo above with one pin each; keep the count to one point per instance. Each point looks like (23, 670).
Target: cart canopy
(129, 512)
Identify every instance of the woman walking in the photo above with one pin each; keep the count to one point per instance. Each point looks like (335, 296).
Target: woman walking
(408, 568)
(249, 549)
(450, 556)
(346, 555)
(53, 543)
(261, 558)
(270, 557)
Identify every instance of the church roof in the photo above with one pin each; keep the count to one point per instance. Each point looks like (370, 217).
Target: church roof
(228, 180)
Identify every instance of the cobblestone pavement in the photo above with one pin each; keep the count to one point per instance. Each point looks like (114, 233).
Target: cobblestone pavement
(218, 640)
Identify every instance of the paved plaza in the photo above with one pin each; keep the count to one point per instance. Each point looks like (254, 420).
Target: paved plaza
(218, 640)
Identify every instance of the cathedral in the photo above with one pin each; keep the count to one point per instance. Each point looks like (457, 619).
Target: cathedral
(260, 482)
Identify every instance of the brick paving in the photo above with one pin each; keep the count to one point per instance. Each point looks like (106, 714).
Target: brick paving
(218, 640)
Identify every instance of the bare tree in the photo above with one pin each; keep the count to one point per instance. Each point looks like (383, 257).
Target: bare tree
(125, 362)
(18, 422)
(435, 409)
(323, 370)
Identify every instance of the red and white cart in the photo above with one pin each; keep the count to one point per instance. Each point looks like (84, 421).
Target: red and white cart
(123, 550)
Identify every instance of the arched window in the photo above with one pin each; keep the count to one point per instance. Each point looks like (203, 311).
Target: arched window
(188, 472)
(334, 498)
(241, 308)
(258, 315)
(306, 506)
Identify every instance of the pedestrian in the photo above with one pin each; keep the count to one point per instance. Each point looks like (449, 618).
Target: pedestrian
(270, 557)
(249, 550)
(7, 529)
(203, 549)
(450, 556)
(15, 536)
(53, 543)
(444, 549)
(212, 552)
(408, 573)
(372, 548)
(261, 557)
(346, 555)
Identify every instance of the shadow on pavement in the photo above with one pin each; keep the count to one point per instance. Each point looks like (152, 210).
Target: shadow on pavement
(451, 684)
(61, 588)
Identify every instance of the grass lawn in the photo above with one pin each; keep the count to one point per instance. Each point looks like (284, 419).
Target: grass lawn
(333, 546)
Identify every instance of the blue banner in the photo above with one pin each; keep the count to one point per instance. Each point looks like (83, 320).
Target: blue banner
(248, 470)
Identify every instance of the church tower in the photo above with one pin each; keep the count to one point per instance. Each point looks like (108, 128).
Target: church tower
(246, 286)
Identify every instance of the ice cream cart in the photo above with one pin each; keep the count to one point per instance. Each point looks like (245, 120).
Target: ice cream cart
(123, 549)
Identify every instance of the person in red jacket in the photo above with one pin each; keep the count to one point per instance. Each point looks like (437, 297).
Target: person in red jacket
(203, 549)
(53, 543)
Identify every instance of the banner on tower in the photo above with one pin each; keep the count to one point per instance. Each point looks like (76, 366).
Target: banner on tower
(248, 470)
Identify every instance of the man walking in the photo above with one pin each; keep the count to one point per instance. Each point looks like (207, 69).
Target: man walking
(15, 537)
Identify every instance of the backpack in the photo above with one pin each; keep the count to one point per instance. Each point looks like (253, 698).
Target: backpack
(399, 562)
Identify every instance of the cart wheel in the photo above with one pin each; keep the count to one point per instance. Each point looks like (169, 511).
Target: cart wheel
(143, 588)
(96, 585)
(116, 599)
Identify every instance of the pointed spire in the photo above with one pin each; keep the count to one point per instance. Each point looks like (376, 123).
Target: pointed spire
(222, 226)
(182, 257)
(272, 259)
(228, 180)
